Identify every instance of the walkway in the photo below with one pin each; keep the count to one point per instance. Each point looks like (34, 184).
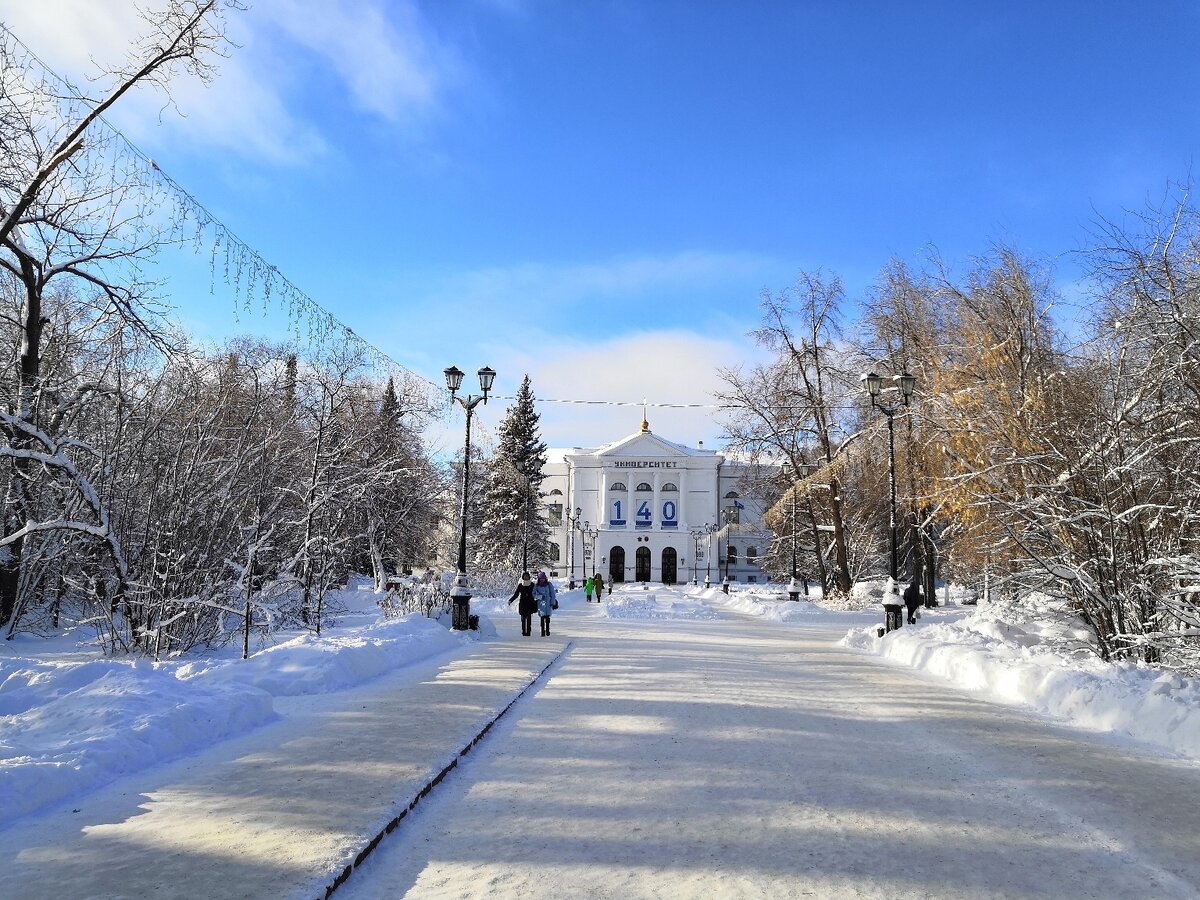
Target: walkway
(734, 758)
(278, 812)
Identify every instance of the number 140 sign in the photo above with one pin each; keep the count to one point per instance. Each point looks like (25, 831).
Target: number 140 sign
(644, 516)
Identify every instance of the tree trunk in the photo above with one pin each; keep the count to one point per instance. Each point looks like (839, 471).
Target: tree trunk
(17, 505)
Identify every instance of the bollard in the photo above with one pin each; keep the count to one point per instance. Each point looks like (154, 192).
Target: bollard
(893, 616)
(460, 598)
(461, 613)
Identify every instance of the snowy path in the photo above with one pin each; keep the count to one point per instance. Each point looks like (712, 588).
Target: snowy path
(736, 758)
(281, 810)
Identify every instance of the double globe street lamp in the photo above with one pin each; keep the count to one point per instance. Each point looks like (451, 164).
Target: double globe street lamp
(461, 595)
(903, 384)
(573, 524)
(589, 532)
(696, 534)
(710, 529)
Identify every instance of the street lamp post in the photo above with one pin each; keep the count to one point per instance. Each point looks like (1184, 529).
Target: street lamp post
(573, 526)
(710, 529)
(696, 534)
(589, 532)
(793, 586)
(905, 383)
(461, 595)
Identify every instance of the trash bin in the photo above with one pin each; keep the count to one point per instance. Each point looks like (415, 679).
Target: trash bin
(893, 616)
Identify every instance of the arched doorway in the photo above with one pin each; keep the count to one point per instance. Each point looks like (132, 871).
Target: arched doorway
(616, 565)
(669, 559)
(643, 564)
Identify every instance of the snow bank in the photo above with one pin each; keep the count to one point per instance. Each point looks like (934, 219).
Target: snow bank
(69, 724)
(67, 729)
(648, 605)
(1042, 661)
(309, 664)
(767, 603)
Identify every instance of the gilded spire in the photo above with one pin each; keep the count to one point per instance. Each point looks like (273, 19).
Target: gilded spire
(645, 422)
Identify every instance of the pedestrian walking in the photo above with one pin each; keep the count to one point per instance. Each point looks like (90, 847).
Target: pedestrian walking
(587, 589)
(547, 599)
(599, 579)
(528, 604)
(912, 601)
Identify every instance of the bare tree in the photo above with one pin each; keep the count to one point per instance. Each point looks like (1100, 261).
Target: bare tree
(791, 404)
(70, 211)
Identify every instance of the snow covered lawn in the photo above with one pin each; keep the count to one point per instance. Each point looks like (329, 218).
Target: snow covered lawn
(71, 721)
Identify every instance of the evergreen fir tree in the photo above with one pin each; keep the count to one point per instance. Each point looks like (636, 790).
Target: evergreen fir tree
(514, 534)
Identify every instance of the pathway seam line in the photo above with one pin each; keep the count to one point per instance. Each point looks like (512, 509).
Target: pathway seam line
(437, 779)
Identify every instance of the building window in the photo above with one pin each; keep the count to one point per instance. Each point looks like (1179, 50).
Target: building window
(731, 555)
(619, 486)
(644, 487)
(555, 552)
(670, 487)
(555, 514)
(753, 579)
(732, 495)
(751, 555)
(556, 493)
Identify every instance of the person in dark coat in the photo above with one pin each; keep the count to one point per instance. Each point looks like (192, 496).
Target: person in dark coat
(528, 606)
(912, 600)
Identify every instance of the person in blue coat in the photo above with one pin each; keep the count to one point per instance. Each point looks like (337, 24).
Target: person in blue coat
(547, 599)
(527, 605)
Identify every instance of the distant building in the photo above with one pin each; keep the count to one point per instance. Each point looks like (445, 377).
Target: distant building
(643, 496)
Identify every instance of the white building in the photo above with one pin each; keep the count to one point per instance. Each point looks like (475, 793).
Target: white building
(640, 507)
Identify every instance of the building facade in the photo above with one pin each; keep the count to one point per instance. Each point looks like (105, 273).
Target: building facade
(647, 509)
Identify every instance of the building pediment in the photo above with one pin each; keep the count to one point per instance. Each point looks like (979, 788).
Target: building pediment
(644, 449)
(647, 446)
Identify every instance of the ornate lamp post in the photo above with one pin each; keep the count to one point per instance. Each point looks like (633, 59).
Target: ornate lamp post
(905, 384)
(710, 529)
(572, 527)
(789, 473)
(696, 534)
(589, 532)
(461, 596)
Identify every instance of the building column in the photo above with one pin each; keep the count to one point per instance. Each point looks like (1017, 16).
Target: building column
(605, 509)
(681, 514)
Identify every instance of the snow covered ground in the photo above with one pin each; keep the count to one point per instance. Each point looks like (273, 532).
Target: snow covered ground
(72, 721)
(750, 754)
(1031, 654)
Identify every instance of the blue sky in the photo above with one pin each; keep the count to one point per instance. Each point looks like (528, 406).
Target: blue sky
(597, 192)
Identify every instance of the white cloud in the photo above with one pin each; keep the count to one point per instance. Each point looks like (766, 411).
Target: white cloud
(382, 55)
(669, 367)
(392, 63)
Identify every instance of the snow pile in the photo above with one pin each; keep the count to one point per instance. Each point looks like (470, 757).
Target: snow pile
(69, 723)
(1032, 654)
(69, 728)
(633, 605)
(769, 603)
(309, 664)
